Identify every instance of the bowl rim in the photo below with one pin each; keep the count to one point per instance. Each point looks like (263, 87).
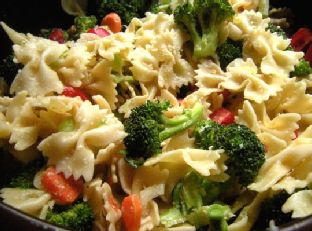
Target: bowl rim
(11, 214)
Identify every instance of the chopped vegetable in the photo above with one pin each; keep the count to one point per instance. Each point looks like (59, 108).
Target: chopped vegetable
(84, 23)
(147, 127)
(78, 217)
(113, 21)
(228, 51)
(25, 177)
(215, 215)
(64, 191)
(245, 151)
(67, 125)
(276, 29)
(194, 201)
(127, 10)
(73, 92)
(101, 32)
(301, 39)
(131, 209)
(222, 116)
(308, 55)
(302, 69)
(58, 35)
(202, 20)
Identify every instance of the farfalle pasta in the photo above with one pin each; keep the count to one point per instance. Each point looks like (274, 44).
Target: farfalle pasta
(77, 104)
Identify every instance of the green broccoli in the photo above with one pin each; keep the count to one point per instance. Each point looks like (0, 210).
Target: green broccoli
(8, 68)
(271, 209)
(302, 69)
(202, 20)
(194, 200)
(208, 133)
(245, 151)
(24, 178)
(147, 127)
(276, 29)
(83, 23)
(229, 51)
(161, 6)
(78, 217)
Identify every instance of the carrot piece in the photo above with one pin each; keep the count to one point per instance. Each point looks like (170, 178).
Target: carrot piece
(64, 191)
(113, 21)
(131, 210)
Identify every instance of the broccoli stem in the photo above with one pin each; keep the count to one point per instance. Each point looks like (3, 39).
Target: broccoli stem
(189, 121)
(206, 45)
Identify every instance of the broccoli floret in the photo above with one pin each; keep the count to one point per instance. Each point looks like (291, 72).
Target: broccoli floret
(83, 23)
(202, 20)
(245, 151)
(276, 29)
(229, 51)
(8, 68)
(78, 217)
(194, 201)
(147, 127)
(271, 209)
(24, 179)
(302, 69)
(208, 134)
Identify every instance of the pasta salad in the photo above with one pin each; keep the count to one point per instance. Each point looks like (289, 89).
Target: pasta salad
(175, 115)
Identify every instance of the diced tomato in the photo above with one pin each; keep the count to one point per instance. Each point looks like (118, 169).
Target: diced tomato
(99, 31)
(113, 21)
(73, 92)
(114, 203)
(63, 191)
(308, 55)
(57, 34)
(222, 116)
(301, 39)
(131, 210)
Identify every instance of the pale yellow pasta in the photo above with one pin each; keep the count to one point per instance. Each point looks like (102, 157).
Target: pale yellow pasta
(245, 23)
(102, 83)
(72, 65)
(299, 203)
(274, 133)
(97, 194)
(292, 98)
(157, 55)
(244, 76)
(72, 152)
(209, 75)
(203, 161)
(241, 5)
(282, 163)
(151, 219)
(30, 201)
(248, 215)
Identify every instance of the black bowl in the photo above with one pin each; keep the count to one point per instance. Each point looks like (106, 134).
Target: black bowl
(31, 16)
